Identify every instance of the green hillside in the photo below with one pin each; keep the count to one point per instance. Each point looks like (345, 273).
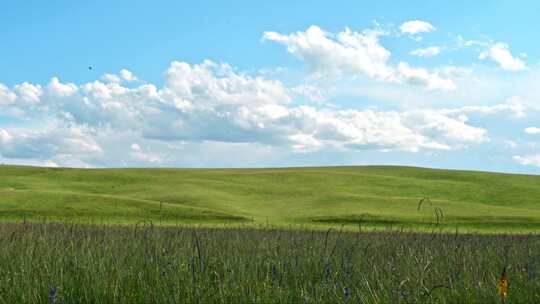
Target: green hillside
(374, 196)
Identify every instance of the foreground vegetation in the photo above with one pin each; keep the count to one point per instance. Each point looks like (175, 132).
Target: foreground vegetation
(60, 263)
(375, 197)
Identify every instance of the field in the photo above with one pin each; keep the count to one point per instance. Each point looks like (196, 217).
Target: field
(322, 235)
(59, 263)
(309, 198)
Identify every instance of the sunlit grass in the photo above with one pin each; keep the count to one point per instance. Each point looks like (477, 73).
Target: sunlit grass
(51, 263)
(306, 197)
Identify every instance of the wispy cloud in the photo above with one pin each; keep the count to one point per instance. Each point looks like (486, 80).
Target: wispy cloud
(532, 130)
(427, 52)
(528, 160)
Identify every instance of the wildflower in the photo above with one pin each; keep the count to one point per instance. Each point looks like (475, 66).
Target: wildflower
(274, 272)
(530, 272)
(527, 271)
(503, 284)
(52, 294)
(346, 293)
(327, 272)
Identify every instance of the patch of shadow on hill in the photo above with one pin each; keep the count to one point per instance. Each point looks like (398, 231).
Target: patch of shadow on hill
(364, 218)
(497, 222)
(207, 215)
(187, 215)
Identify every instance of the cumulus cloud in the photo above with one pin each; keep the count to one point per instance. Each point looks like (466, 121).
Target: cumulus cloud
(45, 144)
(127, 75)
(437, 124)
(7, 97)
(209, 84)
(421, 77)
(123, 75)
(427, 52)
(4, 136)
(312, 92)
(58, 89)
(414, 27)
(111, 78)
(28, 93)
(452, 71)
(500, 53)
(528, 160)
(349, 53)
(352, 54)
(205, 103)
(532, 130)
(138, 154)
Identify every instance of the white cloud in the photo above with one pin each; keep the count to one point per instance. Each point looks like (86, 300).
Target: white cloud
(44, 144)
(528, 160)
(532, 130)
(30, 162)
(350, 53)
(127, 75)
(4, 136)
(312, 92)
(7, 97)
(147, 158)
(421, 77)
(513, 105)
(305, 142)
(414, 27)
(138, 154)
(500, 53)
(28, 93)
(353, 54)
(206, 103)
(437, 124)
(123, 75)
(272, 71)
(451, 71)
(58, 89)
(462, 42)
(209, 84)
(111, 78)
(427, 52)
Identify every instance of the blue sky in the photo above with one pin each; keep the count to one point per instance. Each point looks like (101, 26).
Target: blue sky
(282, 83)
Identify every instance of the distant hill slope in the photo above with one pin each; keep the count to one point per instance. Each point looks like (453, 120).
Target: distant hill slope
(377, 196)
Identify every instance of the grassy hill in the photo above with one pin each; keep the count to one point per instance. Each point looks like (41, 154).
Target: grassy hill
(375, 196)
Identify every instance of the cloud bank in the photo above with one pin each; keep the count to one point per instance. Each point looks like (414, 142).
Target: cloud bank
(203, 103)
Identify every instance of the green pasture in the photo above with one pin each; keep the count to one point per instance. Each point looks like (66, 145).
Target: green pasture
(353, 197)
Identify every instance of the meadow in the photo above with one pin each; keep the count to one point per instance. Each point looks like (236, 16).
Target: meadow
(309, 198)
(292, 235)
(68, 263)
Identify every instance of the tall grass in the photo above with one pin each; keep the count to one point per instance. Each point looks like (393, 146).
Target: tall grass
(62, 263)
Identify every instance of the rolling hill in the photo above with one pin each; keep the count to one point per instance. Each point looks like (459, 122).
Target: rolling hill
(371, 196)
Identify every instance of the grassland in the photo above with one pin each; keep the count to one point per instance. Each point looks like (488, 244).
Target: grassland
(59, 263)
(370, 196)
(312, 245)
